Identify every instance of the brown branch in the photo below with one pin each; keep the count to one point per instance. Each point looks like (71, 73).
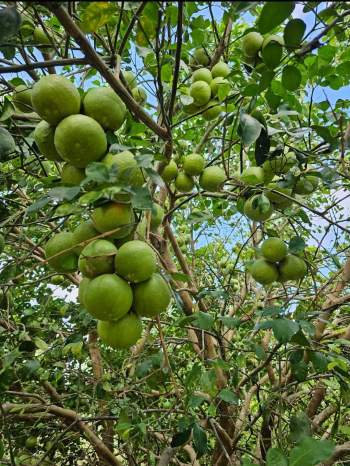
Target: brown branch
(222, 44)
(177, 59)
(130, 27)
(42, 64)
(318, 395)
(340, 451)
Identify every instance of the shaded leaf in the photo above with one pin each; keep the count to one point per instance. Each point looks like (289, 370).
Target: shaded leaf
(199, 440)
(262, 147)
(291, 77)
(228, 396)
(294, 32)
(284, 329)
(249, 129)
(300, 427)
(272, 54)
(296, 244)
(273, 14)
(180, 438)
(310, 452)
(10, 21)
(275, 457)
(204, 320)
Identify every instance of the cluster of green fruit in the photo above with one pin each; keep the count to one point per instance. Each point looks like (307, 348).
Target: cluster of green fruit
(257, 49)
(211, 178)
(276, 264)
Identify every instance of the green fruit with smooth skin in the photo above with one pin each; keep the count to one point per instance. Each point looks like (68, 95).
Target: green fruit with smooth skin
(252, 43)
(306, 184)
(83, 286)
(44, 138)
(31, 442)
(108, 297)
(279, 200)
(213, 110)
(135, 261)
(170, 171)
(7, 144)
(152, 296)
(54, 98)
(128, 172)
(83, 234)
(191, 109)
(22, 99)
(97, 258)
(130, 78)
(253, 176)
(221, 69)
(292, 268)
(66, 261)
(203, 74)
(57, 279)
(71, 175)
(40, 37)
(105, 106)
(184, 183)
(114, 215)
(216, 83)
(281, 164)
(139, 94)
(200, 91)
(264, 272)
(274, 249)
(2, 243)
(121, 334)
(80, 140)
(212, 178)
(157, 215)
(201, 57)
(193, 164)
(258, 208)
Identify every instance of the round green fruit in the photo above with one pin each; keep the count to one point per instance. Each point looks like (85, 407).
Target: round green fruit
(191, 109)
(253, 176)
(63, 261)
(292, 268)
(252, 43)
(272, 38)
(83, 286)
(135, 261)
(105, 106)
(57, 279)
(71, 175)
(130, 78)
(128, 171)
(54, 98)
(216, 83)
(213, 110)
(97, 258)
(212, 178)
(139, 94)
(200, 91)
(281, 164)
(201, 57)
(22, 99)
(80, 140)
(44, 139)
(121, 334)
(184, 183)
(274, 249)
(31, 442)
(264, 272)
(193, 164)
(40, 37)
(152, 296)
(305, 185)
(258, 208)
(278, 199)
(112, 216)
(107, 297)
(221, 70)
(203, 74)
(157, 216)
(170, 171)
(7, 144)
(83, 234)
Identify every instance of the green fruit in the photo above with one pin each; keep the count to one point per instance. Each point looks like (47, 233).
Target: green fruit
(2, 243)
(107, 297)
(97, 258)
(157, 216)
(213, 110)
(7, 144)
(105, 106)
(272, 38)
(264, 272)
(80, 140)
(292, 268)
(128, 172)
(193, 164)
(152, 296)
(201, 57)
(44, 139)
(191, 109)
(281, 164)
(40, 37)
(184, 183)
(216, 83)
(251, 43)
(66, 261)
(253, 176)
(212, 178)
(203, 74)
(200, 91)
(221, 69)
(170, 171)
(139, 94)
(112, 216)
(83, 234)
(71, 175)
(54, 98)
(22, 99)
(130, 78)
(240, 204)
(83, 286)
(57, 279)
(121, 334)
(306, 184)
(135, 261)
(280, 201)
(258, 208)
(31, 442)
(274, 249)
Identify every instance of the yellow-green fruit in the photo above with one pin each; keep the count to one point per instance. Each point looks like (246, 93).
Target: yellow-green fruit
(253, 176)
(135, 261)
(71, 175)
(184, 183)
(7, 144)
(22, 99)
(170, 171)
(44, 139)
(54, 98)
(128, 171)
(203, 74)
(121, 334)
(281, 164)
(112, 216)
(130, 78)
(201, 57)
(83, 234)
(64, 261)
(105, 106)
(139, 94)
(212, 111)
(252, 43)
(292, 268)
(216, 83)
(221, 69)
(57, 279)
(157, 216)
(278, 199)
(274, 249)
(108, 297)
(305, 185)
(264, 272)
(191, 109)
(97, 258)
(200, 91)
(212, 178)
(83, 286)
(258, 208)
(193, 164)
(31, 442)
(152, 296)
(40, 37)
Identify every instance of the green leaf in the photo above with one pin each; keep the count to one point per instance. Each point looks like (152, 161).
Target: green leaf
(300, 371)
(249, 129)
(98, 172)
(199, 440)
(95, 15)
(38, 205)
(204, 320)
(262, 147)
(181, 438)
(141, 198)
(296, 244)
(284, 329)
(10, 21)
(294, 32)
(311, 452)
(319, 361)
(300, 427)
(2, 449)
(273, 14)
(230, 322)
(181, 277)
(64, 193)
(275, 457)
(291, 77)
(272, 54)
(228, 396)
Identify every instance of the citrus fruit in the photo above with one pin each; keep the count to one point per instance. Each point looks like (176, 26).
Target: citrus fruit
(22, 99)
(80, 140)
(279, 200)
(82, 234)
(139, 94)
(203, 74)
(292, 268)
(152, 296)
(127, 169)
(105, 106)
(170, 171)
(54, 98)
(40, 37)
(184, 183)
(112, 216)
(258, 208)
(2, 243)
(130, 78)
(264, 272)
(212, 178)
(274, 249)
(83, 286)
(44, 139)
(251, 43)
(107, 297)
(63, 261)
(31, 442)
(191, 109)
(97, 258)
(57, 279)
(216, 83)
(305, 185)
(120, 334)
(7, 144)
(200, 91)
(157, 216)
(272, 38)
(221, 69)
(135, 261)
(193, 164)
(281, 164)
(201, 57)
(213, 110)
(71, 175)
(253, 176)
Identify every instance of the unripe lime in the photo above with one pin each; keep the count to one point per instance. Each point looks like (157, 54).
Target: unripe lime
(306, 184)
(135, 261)
(170, 171)
(83, 286)
(152, 296)
(44, 139)
(71, 175)
(201, 57)
(264, 272)
(184, 183)
(121, 334)
(157, 216)
(139, 94)
(193, 164)
(105, 106)
(274, 249)
(114, 215)
(216, 83)
(128, 172)
(253, 176)
(57, 279)
(200, 91)
(213, 110)
(7, 145)
(221, 69)
(97, 258)
(64, 261)
(251, 43)
(258, 208)
(203, 74)
(292, 268)
(22, 99)
(82, 234)
(130, 78)
(212, 178)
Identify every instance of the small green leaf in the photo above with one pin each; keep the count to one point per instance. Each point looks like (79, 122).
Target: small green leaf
(311, 452)
(284, 329)
(273, 14)
(296, 244)
(228, 396)
(294, 32)
(38, 205)
(300, 371)
(300, 427)
(180, 438)
(230, 322)
(98, 172)
(272, 54)
(204, 320)
(291, 77)
(141, 198)
(275, 457)
(249, 129)
(319, 361)
(199, 440)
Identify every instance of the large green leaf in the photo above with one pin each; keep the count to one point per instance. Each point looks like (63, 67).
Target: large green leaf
(249, 129)
(275, 457)
(291, 77)
(311, 452)
(284, 329)
(294, 32)
(273, 14)
(272, 54)
(200, 441)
